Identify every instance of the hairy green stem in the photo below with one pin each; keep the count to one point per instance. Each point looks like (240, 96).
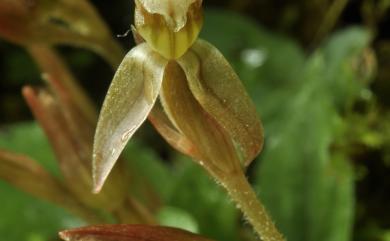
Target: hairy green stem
(254, 211)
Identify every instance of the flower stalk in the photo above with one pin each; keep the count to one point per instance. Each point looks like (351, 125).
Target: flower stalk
(254, 211)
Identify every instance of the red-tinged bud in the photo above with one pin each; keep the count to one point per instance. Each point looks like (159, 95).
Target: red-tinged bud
(129, 233)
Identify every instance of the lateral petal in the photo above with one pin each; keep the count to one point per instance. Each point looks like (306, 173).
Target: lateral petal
(129, 100)
(220, 92)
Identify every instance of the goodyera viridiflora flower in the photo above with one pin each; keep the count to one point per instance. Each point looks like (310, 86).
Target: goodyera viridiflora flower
(206, 112)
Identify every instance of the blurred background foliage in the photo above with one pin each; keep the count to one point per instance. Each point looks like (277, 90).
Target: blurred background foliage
(319, 73)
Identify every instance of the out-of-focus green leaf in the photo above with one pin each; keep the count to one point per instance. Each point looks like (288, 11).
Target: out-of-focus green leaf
(199, 196)
(346, 73)
(298, 179)
(178, 218)
(146, 164)
(29, 139)
(20, 212)
(24, 218)
(307, 187)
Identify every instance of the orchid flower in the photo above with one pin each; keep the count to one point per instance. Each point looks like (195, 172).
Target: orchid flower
(203, 109)
(201, 95)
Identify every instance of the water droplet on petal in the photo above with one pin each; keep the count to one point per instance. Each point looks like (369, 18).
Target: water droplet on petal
(128, 134)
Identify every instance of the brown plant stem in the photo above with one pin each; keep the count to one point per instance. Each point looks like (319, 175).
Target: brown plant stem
(254, 211)
(53, 67)
(26, 174)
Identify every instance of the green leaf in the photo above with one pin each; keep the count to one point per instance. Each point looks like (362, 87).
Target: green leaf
(145, 163)
(29, 139)
(177, 218)
(20, 211)
(300, 180)
(307, 187)
(24, 218)
(344, 56)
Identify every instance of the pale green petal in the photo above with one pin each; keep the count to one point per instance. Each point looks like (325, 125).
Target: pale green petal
(129, 100)
(220, 92)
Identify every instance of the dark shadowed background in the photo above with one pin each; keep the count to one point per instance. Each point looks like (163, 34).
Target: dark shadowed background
(301, 62)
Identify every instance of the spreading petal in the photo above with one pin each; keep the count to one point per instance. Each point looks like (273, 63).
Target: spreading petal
(220, 92)
(214, 145)
(123, 232)
(129, 100)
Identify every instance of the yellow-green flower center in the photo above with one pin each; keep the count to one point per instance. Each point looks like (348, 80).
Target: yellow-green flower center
(169, 27)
